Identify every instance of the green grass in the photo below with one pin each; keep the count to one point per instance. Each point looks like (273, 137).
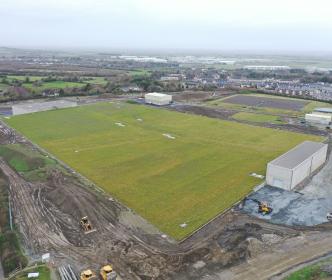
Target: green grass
(258, 118)
(139, 73)
(53, 85)
(97, 81)
(312, 272)
(44, 273)
(11, 255)
(168, 181)
(3, 86)
(316, 104)
(268, 110)
(30, 163)
(22, 78)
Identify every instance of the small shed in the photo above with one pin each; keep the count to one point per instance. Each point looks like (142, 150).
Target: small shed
(318, 118)
(159, 99)
(293, 167)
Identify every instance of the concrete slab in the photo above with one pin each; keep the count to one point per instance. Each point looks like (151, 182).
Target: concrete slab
(289, 208)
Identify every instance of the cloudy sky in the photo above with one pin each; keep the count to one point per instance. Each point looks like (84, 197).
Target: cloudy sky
(215, 25)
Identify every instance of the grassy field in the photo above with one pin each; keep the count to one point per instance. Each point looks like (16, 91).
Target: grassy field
(312, 272)
(44, 273)
(124, 149)
(267, 110)
(59, 84)
(30, 164)
(97, 81)
(22, 78)
(56, 85)
(3, 86)
(139, 73)
(258, 118)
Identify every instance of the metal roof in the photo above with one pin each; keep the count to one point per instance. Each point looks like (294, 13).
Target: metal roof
(297, 155)
(157, 94)
(324, 110)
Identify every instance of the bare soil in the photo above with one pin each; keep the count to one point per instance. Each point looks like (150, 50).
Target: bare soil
(278, 103)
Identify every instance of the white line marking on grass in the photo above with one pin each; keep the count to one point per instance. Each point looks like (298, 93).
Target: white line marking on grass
(256, 175)
(120, 124)
(169, 136)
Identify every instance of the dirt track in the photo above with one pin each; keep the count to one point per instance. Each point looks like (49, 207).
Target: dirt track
(48, 215)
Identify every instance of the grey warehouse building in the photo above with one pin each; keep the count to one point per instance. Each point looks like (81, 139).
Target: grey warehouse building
(32, 107)
(291, 168)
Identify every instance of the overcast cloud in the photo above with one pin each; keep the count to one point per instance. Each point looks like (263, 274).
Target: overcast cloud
(234, 25)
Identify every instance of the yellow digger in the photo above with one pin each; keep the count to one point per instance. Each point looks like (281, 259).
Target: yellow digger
(263, 207)
(86, 225)
(88, 275)
(107, 273)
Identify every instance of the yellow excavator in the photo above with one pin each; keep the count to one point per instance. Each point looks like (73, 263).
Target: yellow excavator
(107, 273)
(263, 207)
(86, 225)
(88, 275)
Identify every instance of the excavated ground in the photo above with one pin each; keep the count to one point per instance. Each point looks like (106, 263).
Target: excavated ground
(48, 213)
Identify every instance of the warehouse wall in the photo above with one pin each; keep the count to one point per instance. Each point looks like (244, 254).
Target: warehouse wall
(301, 172)
(278, 176)
(316, 118)
(158, 100)
(288, 179)
(33, 107)
(319, 158)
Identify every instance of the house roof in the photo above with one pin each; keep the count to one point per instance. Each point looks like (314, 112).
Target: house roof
(297, 155)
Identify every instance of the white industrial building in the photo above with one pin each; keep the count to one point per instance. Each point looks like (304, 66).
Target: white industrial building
(156, 98)
(32, 107)
(291, 168)
(318, 118)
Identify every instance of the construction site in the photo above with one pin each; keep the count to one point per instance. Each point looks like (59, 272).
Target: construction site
(86, 233)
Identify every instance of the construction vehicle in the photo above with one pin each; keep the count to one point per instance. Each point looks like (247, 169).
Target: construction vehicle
(263, 207)
(86, 225)
(107, 273)
(88, 275)
(329, 217)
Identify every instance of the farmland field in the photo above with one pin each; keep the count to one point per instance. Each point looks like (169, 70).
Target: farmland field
(171, 168)
(51, 85)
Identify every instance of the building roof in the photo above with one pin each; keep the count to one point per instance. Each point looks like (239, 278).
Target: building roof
(43, 105)
(324, 110)
(317, 115)
(157, 94)
(297, 155)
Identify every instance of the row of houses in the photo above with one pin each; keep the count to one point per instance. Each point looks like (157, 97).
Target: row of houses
(320, 91)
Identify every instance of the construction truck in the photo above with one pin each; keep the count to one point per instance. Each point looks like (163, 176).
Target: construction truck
(88, 275)
(107, 273)
(86, 225)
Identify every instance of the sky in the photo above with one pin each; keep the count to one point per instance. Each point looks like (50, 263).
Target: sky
(202, 25)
